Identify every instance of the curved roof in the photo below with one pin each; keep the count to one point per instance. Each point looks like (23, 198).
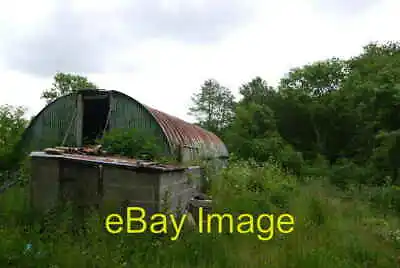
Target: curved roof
(177, 131)
(34, 119)
(181, 133)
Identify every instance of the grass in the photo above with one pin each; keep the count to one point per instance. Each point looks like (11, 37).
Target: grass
(333, 228)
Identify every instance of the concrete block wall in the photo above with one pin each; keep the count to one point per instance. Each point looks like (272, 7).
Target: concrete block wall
(44, 183)
(110, 187)
(177, 188)
(123, 188)
(78, 182)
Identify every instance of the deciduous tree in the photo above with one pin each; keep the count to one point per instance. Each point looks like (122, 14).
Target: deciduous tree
(64, 84)
(213, 106)
(12, 125)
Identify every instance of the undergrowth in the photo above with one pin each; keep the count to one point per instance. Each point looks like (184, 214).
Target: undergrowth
(333, 228)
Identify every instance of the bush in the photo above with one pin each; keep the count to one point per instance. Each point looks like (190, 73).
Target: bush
(317, 168)
(290, 159)
(346, 172)
(134, 143)
(386, 198)
(12, 125)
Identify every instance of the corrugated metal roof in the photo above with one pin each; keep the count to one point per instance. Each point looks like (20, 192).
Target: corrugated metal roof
(176, 131)
(181, 133)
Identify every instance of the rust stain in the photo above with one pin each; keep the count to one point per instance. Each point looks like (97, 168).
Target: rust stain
(180, 133)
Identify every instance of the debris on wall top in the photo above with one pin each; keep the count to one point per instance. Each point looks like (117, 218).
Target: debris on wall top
(97, 156)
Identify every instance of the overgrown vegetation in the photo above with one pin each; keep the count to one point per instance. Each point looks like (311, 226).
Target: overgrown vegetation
(344, 112)
(133, 142)
(321, 146)
(352, 228)
(12, 125)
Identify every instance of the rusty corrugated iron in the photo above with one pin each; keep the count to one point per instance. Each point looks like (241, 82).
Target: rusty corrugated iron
(181, 133)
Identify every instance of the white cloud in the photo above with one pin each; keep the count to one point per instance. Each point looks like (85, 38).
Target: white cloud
(163, 71)
(21, 89)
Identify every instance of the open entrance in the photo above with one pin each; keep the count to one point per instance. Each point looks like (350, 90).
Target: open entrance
(95, 113)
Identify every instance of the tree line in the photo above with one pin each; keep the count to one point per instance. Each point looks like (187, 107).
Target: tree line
(342, 115)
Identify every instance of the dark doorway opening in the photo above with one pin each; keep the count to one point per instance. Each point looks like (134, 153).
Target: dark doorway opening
(95, 115)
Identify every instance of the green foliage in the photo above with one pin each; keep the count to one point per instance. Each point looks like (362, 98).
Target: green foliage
(335, 109)
(213, 106)
(318, 78)
(65, 84)
(134, 143)
(256, 91)
(386, 156)
(332, 229)
(386, 199)
(12, 125)
(346, 172)
(254, 133)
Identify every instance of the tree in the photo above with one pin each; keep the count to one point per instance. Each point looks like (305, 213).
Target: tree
(213, 106)
(372, 93)
(317, 78)
(254, 133)
(12, 125)
(256, 91)
(309, 98)
(250, 135)
(65, 84)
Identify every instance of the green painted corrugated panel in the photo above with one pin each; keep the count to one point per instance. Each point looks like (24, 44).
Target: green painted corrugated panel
(127, 113)
(51, 125)
(173, 131)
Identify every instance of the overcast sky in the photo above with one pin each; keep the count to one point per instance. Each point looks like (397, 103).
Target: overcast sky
(161, 51)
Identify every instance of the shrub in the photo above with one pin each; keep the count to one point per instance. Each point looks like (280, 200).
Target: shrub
(134, 143)
(12, 125)
(386, 198)
(346, 172)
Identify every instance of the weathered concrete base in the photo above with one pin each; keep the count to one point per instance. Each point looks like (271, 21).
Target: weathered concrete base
(110, 187)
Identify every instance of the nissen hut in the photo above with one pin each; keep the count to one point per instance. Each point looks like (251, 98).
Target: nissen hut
(86, 114)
